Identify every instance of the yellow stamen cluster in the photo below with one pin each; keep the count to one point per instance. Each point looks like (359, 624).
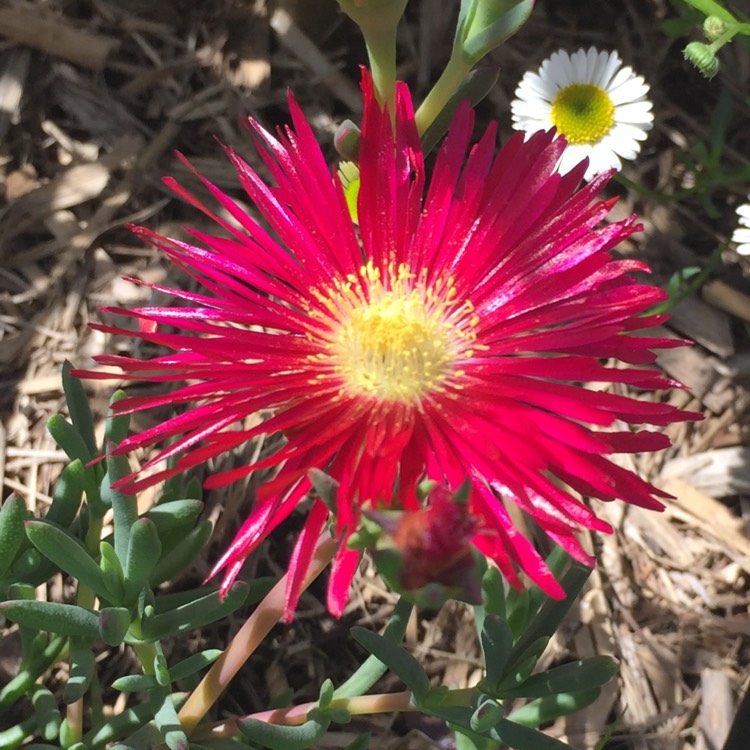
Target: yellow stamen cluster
(392, 337)
(583, 113)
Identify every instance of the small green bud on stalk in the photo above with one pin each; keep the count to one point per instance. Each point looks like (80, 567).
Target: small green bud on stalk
(702, 56)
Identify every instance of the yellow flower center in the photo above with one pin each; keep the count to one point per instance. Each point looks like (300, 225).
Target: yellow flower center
(583, 113)
(395, 339)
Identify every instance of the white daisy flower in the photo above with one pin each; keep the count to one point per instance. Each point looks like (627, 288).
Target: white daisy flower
(742, 234)
(596, 103)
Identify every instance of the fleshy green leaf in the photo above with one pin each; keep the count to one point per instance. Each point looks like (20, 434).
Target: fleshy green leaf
(373, 668)
(326, 694)
(195, 614)
(278, 737)
(523, 738)
(69, 439)
(65, 619)
(82, 664)
(116, 426)
(167, 721)
(195, 663)
(161, 669)
(111, 569)
(78, 406)
(113, 624)
(68, 493)
(361, 743)
(125, 723)
(135, 683)
(144, 550)
(46, 712)
(177, 559)
(551, 613)
(497, 643)
(173, 520)
(124, 507)
(542, 710)
(583, 674)
(12, 516)
(488, 713)
(67, 553)
(397, 659)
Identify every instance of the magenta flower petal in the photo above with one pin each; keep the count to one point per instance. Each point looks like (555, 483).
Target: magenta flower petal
(447, 336)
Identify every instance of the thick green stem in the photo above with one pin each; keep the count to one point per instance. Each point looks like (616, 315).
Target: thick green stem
(441, 92)
(381, 51)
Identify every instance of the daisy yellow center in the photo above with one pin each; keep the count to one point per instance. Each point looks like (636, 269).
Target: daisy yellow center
(583, 113)
(402, 341)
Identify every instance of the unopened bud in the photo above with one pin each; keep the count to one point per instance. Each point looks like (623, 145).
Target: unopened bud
(703, 57)
(714, 27)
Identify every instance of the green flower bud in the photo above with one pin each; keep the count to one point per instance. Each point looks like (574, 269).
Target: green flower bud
(702, 56)
(714, 27)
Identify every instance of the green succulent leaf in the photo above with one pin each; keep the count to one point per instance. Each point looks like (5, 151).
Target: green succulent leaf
(12, 517)
(68, 493)
(361, 743)
(173, 520)
(551, 707)
(583, 674)
(193, 664)
(124, 506)
(326, 694)
(373, 668)
(178, 558)
(113, 625)
(125, 724)
(144, 550)
(112, 573)
(484, 25)
(278, 737)
(64, 619)
(486, 716)
(161, 669)
(69, 439)
(78, 406)
(551, 613)
(194, 614)
(135, 683)
(397, 659)
(497, 643)
(67, 553)
(82, 662)
(523, 738)
(117, 425)
(46, 713)
(167, 721)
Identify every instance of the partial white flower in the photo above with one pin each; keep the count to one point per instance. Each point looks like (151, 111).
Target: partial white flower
(742, 234)
(596, 103)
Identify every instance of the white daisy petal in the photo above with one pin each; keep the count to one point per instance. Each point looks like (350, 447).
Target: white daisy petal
(741, 235)
(595, 102)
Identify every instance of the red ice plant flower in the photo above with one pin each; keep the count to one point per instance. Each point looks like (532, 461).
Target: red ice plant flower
(444, 337)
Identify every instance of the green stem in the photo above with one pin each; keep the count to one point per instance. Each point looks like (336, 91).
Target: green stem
(441, 92)
(381, 51)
